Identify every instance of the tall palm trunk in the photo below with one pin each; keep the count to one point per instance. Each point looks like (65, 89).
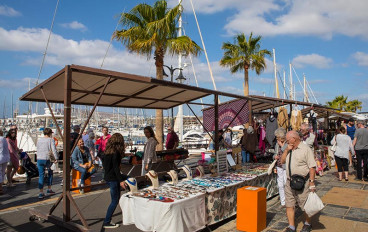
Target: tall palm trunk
(246, 80)
(159, 113)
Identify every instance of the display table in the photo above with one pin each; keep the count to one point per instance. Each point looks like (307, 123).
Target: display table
(184, 215)
(215, 201)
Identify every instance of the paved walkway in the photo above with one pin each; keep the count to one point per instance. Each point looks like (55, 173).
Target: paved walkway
(346, 208)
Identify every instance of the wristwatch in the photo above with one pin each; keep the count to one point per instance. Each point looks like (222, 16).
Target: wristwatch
(312, 181)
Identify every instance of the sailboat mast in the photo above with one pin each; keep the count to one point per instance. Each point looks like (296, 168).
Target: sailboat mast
(291, 83)
(284, 85)
(180, 108)
(305, 89)
(275, 73)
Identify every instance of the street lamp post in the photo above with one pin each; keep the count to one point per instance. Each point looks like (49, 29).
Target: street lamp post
(172, 70)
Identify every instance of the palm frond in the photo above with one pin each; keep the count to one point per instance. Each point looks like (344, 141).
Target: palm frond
(183, 44)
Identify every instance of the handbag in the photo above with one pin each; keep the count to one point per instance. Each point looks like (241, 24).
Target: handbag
(333, 148)
(271, 167)
(297, 182)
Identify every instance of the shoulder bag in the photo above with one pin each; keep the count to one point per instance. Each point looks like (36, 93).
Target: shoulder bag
(333, 148)
(297, 182)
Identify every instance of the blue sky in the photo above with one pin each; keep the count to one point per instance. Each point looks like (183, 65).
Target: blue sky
(325, 40)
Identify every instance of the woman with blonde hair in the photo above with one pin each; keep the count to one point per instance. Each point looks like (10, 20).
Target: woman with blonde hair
(149, 156)
(114, 152)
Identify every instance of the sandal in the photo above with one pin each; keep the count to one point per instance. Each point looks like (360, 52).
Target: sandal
(340, 179)
(346, 179)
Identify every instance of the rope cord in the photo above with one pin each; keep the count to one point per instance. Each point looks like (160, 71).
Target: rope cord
(312, 92)
(204, 47)
(47, 44)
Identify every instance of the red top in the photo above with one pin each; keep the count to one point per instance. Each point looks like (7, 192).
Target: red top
(171, 139)
(102, 141)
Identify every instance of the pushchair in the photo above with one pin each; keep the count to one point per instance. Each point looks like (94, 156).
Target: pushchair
(31, 168)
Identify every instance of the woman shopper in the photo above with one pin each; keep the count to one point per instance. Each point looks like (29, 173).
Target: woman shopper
(46, 155)
(114, 152)
(343, 145)
(281, 145)
(14, 151)
(149, 156)
(82, 162)
(4, 159)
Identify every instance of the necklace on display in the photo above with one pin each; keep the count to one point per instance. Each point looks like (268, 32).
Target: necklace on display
(133, 182)
(151, 175)
(190, 171)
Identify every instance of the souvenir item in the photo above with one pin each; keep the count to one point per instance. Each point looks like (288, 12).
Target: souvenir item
(174, 177)
(188, 172)
(132, 183)
(201, 171)
(152, 175)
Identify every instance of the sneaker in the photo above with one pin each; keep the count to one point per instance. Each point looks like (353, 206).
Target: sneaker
(101, 181)
(288, 229)
(81, 191)
(306, 228)
(110, 225)
(41, 196)
(50, 192)
(62, 182)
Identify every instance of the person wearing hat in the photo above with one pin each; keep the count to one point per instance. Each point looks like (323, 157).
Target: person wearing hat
(46, 154)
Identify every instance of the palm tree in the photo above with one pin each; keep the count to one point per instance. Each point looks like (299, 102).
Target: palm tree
(339, 103)
(151, 30)
(244, 55)
(354, 105)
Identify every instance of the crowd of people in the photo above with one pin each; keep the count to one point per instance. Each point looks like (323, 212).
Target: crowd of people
(294, 155)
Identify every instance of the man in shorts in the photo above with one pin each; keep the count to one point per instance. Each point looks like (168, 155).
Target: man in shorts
(303, 164)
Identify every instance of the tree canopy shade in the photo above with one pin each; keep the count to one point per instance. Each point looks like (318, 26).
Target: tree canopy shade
(148, 30)
(244, 54)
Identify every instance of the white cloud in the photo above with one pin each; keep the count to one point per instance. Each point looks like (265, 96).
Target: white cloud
(315, 60)
(285, 17)
(8, 11)
(361, 58)
(22, 83)
(74, 25)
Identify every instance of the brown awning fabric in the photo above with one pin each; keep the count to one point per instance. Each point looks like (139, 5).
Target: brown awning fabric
(123, 90)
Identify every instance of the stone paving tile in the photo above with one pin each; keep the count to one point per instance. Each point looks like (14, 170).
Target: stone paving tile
(357, 214)
(336, 184)
(335, 210)
(280, 225)
(354, 186)
(365, 187)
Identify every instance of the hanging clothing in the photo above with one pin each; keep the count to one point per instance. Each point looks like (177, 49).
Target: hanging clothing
(262, 135)
(283, 118)
(312, 119)
(271, 126)
(296, 119)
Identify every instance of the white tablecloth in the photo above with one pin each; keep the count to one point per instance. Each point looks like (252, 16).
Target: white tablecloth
(185, 215)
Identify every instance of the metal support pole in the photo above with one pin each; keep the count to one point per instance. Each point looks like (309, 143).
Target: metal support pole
(66, 142)
(200, 121)
(250, 119)
(216, 124)
(52, 114)
(91, 113)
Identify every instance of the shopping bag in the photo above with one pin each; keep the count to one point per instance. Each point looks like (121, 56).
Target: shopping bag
(53, 167)
(270, 168)
(313, 204)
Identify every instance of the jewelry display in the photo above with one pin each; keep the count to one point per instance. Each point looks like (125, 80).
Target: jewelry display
(174, 177)
(200, 170)
(188, 172)
(132, 183)
(152, 175)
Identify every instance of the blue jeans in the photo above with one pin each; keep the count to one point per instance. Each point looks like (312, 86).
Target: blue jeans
(245, 156)
(84, 174)
(115, 196)
(42, 165)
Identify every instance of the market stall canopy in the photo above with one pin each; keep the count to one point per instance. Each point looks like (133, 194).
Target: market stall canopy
(324, 112)
(123, 90)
